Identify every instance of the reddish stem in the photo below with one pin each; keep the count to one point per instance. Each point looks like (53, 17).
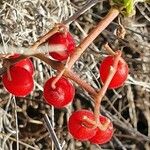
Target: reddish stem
(59, 75)
(101, 93)
(58, 28)
(98, 97)
(113, 13)
(102, 127)
(68, 73)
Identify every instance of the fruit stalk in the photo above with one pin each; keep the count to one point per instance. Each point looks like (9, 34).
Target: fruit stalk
(101, 93)
(108, 49)
(58, 28)
(68, 73)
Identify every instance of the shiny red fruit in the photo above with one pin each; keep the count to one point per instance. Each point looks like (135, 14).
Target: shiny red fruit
(25, 63)
(67, 41)
(79, 128)
(61, 95)
(120, 75)
(21, 83)
(102, 137)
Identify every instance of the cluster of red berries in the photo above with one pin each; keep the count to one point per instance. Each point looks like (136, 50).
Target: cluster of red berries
(82, 130)
(19, 78)
(20, 83)
(63, 92)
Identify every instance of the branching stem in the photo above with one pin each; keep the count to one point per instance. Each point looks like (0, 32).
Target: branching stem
(113, 13)
(102, 91)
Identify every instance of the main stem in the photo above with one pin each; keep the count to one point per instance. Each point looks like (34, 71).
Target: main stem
(101, 93)
(112, 14)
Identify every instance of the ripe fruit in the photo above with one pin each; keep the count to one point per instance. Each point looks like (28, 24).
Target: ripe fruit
(120, 75)
(25, 63)
(66, 40)
(102, 137)
(21, 83)
(60, 96)
(79, 128)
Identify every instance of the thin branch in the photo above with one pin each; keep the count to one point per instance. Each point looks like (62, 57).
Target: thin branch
(116, 24)
(109, 50)
(16, 121)
(22, 143)
(52, 132)
(68, 73)
(90, 4)
(57, 66)
(101, 93)
(57, 28)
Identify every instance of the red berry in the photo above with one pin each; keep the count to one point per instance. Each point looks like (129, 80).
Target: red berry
(120, 75)
(66, 40)
(21, 83)
(61, 95)
(25, 63)
(102, 137)
(79, 128)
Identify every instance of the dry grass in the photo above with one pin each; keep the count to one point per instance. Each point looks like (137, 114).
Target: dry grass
(21, 119)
